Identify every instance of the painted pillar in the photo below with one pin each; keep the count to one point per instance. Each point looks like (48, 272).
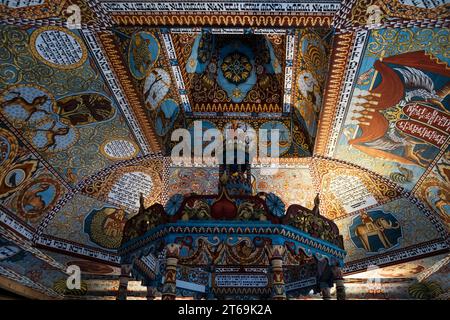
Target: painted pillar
(326, 293)
(151, 293)
(325, 278)
(123, 282)
(339, 281)
(276, 261)
(170, 278)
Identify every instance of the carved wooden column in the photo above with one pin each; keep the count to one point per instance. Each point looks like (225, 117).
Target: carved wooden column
(276, 260)
(170, 279)
(123, 282)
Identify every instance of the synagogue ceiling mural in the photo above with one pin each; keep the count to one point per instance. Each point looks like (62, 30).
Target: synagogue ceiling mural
(358, 91)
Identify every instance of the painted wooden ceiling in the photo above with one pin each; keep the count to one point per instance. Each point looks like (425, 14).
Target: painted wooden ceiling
(360, 89)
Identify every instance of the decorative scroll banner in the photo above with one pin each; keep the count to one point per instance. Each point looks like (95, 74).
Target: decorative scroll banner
(190, 286)
(217, 7)
(422, 131)
(241, 269)
(352, 193)
(240, 277)
(77, 249)
(398, 256)
(170, 49)
(231, 30)
(11, 221)
(429, 115)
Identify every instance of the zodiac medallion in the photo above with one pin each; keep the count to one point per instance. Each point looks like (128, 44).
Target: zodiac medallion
(143, 52)
(37, 197)
(15, 175)
(31, 110)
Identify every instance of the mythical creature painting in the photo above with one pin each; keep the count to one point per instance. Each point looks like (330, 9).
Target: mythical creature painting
(32, 107)
(84, 109)
(29, 107)
(375, 230)
(397, 116)
(105, 226)
(144, 50)
(37, 197)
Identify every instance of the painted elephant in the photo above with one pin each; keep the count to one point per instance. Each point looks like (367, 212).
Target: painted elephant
(363, 231)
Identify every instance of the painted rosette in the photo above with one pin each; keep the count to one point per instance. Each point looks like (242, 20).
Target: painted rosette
(174, 204)
(275, 205)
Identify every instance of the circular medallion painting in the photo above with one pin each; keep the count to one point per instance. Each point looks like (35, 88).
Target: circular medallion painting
(105, 226)
(236, 67)
(14, 176)
(119, 149)
(58, 47)
(284, 138)
(143, 52)
(37, 197)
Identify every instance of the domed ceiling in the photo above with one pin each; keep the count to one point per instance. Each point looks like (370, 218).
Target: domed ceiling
(91, 92)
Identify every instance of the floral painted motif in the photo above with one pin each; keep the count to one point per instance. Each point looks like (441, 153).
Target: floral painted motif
(174, 204)
(275, 205)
